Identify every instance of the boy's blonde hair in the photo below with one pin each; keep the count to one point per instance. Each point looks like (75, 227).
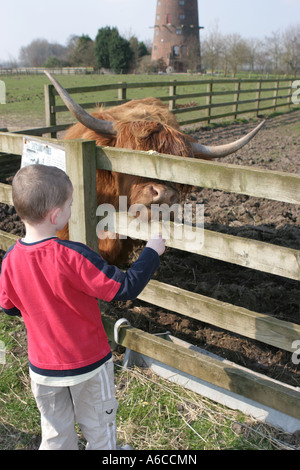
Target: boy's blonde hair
(36, 189)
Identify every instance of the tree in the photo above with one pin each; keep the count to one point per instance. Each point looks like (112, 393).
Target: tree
(120, 54)
(161, 65)
(261, 57)
(139, 50)
(274, 51)
(112, 51)
(84, 52)
(39, 51)
(255, 53)
(102, 46)
(71, 46)
(52, 62)
(291, 49)
(236, 52)
(213, 49)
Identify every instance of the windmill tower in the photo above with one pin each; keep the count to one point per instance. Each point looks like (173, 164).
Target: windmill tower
(176, 34)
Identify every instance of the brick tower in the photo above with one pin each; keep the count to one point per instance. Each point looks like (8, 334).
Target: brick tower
(176, 34)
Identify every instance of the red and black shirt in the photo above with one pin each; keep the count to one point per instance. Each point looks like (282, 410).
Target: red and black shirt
(55, 285)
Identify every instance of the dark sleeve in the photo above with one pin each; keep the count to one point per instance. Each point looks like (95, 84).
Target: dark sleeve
(5, 303)
(96, 278)
(13, 312)
(135, 279)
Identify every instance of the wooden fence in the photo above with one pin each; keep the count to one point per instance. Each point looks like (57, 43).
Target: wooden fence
(215, 99)
(41, 70)
(82, 160)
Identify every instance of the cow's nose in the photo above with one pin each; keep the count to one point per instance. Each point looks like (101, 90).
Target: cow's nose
(162, 194)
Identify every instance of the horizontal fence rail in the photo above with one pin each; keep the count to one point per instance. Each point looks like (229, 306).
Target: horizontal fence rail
(223, 373)
(253, 254)
(41, 70)
(274, 185)
(211, 99)
(83, 158)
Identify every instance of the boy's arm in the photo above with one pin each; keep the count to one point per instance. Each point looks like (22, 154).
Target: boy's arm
(5, 304)
(96, 278)
(140, 273)
(137, 277)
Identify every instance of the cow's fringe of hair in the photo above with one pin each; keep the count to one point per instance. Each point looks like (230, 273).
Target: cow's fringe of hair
(145, 124)
(150, 135)
(146, 109)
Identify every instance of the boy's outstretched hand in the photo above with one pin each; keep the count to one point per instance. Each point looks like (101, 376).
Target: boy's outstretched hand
(157, 243)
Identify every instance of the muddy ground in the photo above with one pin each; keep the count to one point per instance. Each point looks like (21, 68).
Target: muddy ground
(276, 147)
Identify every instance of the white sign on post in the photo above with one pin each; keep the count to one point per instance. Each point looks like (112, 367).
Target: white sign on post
(39, 151)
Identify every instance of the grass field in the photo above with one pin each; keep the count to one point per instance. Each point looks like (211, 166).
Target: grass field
(152, 414)
(25, 95)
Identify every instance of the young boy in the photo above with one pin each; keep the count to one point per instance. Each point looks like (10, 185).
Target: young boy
(54, 284)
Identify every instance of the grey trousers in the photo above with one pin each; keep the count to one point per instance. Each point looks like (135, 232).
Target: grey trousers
(92, 404)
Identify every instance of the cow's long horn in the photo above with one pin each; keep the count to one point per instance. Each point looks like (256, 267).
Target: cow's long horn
(97, 125)
(226, 149)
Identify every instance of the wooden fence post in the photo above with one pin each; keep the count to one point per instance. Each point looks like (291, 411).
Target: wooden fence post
(49, 92)
(236, 98)
(258, 96)
(275, 94)
(172, 94)
(122, 91)
(289, 98)
(209, 100)
(81, 168)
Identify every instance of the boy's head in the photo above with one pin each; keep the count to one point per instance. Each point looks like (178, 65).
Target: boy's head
(37, 189)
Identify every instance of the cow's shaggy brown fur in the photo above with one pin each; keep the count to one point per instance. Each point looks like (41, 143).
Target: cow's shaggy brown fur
(145, 124)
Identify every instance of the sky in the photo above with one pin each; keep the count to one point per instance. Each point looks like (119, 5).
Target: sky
(22, 21)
